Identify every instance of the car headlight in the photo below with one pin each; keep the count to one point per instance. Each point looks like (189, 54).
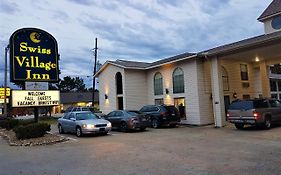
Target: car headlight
(89, 126)
(109, 125)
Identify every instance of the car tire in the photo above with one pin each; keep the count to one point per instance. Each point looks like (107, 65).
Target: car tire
(61, 131)
(267, 123)
(78, 132)
(239, 125)
(173, 125)
(143, 128)
(155, 123)
(123, 127)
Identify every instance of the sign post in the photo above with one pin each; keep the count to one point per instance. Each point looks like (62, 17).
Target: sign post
(33, 58)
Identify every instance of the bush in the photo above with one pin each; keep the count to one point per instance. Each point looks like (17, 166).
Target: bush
(9, 123)
(33, 130)
(12, 123)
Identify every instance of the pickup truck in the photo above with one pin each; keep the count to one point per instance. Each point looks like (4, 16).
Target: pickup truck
(259, 112)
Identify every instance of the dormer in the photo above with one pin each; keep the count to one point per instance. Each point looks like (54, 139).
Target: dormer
(271, 17)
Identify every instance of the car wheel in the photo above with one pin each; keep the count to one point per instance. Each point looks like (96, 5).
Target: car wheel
(123, 126)
(61, 131)
(143, 128)
(78, 132)
(173, 125)
(267, 123)
(155, 123)
(239, 125)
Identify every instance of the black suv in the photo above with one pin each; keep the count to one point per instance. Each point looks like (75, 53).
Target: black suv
(162, 115)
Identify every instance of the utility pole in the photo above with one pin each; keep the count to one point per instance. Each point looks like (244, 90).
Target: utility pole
(5, 81)
(95, 69)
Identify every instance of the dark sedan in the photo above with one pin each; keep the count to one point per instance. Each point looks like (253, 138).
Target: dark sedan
(125, 120)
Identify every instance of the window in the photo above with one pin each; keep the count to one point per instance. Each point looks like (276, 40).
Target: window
(276, 23)
(244, 72)
(158, 84)
(159, 101)
(119, 84)
(225, 79)
(178, 81)
(273, 86)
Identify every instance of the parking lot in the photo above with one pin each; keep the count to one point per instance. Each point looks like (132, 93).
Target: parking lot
(182, 150)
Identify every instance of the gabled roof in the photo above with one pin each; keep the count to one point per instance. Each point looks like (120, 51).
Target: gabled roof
(144, 65)
(273, 9)
(243, 44)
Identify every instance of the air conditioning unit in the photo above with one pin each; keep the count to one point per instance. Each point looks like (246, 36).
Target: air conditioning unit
(245, 84)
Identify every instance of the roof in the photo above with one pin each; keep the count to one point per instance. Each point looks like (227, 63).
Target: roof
(273, 9)
(75, 97)
(243, 44)
(145, 65)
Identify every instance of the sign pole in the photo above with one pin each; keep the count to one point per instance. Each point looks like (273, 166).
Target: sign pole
(5, 81)
(95, 69)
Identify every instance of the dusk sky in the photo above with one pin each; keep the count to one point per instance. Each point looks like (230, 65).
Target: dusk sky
(140, 30)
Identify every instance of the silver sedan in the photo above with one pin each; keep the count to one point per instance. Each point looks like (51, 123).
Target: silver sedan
(83, 122)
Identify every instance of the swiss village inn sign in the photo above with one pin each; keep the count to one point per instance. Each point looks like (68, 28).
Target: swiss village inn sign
(33, 56)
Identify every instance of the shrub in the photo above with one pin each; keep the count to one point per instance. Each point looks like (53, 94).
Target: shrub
(9, 123)
(32, 130)
(12, 123)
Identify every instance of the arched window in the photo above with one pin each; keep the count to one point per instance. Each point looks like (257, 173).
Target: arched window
(224, 79)
(178, 81)
(119, 84)
(158, 84)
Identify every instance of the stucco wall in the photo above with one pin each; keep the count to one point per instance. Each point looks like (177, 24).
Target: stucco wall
(190, 83)
(136, 89)
(107, 86)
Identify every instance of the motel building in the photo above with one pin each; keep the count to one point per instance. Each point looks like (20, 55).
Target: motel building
(205, 83)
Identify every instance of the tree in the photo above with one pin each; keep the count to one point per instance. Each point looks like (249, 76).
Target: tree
(69, 84)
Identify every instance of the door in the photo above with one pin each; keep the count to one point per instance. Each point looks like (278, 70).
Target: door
(226, 103)
(180, 105)
(120, 103)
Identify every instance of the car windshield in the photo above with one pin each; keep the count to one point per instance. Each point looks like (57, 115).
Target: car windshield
(86, 116)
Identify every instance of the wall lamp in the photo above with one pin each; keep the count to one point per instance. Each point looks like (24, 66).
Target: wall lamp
(105, 96)
(234, 95)
(167, 91)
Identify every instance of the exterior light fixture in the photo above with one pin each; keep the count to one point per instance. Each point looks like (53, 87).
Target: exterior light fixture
(257, 59)
(234, 95)
(167, 91)
(105, 96)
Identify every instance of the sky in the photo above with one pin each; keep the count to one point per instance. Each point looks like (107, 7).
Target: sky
(137, 30)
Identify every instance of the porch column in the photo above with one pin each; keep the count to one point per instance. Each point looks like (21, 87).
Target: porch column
(264, 75)
(217, 93)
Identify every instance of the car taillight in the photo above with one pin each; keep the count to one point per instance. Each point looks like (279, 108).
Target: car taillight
(164, 113)
(256, 115)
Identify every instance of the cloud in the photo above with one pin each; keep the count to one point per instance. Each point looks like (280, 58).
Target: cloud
(145, 30)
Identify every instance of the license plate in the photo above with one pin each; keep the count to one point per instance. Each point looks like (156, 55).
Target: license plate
(102, 129)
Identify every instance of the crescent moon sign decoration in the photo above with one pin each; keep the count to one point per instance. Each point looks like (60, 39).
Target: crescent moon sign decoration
(35, 37)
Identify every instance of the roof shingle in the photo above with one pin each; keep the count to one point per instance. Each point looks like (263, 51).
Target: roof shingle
(272, 9)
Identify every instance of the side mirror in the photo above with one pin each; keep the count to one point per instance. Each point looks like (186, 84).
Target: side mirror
(72, 119)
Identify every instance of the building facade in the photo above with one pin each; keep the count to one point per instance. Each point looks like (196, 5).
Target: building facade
(201, 84)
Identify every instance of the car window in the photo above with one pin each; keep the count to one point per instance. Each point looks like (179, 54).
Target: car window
(71, 116)
(274, 103)
(68, 109)
(144, 109)
(111, 114)
(260, 104)
(119, 113)
(278, 103)
(85, 109)
(66, 116)
(238, 105)
(153, 109)
(133, 112)
(86, 116)
(172, 109)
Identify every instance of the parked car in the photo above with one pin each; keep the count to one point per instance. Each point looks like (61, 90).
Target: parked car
(125, 120)
(260, 112)
(162, 115)
(83, 122)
